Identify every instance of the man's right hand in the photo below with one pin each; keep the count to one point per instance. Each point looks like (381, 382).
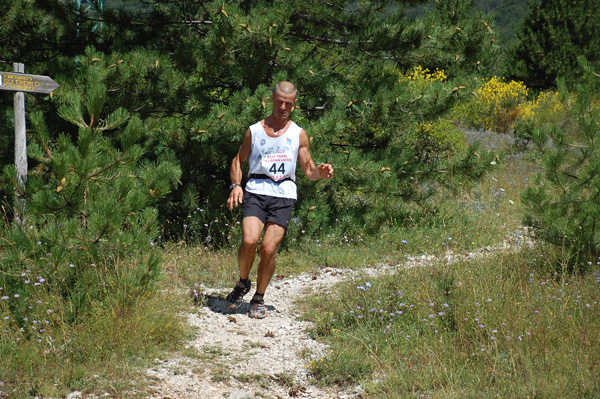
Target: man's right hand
(236, 197)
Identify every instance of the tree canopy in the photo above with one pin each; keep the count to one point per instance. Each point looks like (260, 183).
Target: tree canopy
(553, 35)
(197, 73)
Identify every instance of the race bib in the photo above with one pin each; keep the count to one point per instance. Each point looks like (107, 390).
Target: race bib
(278, 166)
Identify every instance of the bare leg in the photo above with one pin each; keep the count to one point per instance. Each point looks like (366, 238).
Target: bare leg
(252, 228)
(273, 235)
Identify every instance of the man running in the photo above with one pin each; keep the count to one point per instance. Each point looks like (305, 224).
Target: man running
(272, 147)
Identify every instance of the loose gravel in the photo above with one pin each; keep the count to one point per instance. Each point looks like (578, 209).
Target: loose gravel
(241, 358)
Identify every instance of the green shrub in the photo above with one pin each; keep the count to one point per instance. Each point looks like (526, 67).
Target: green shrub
(440, 137)
(89, 212)
(564, 202)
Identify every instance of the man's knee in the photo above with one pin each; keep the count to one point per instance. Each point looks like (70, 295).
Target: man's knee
(249, 242)
(268, 249)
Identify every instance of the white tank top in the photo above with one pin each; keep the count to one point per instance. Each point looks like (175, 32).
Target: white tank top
(275, 158)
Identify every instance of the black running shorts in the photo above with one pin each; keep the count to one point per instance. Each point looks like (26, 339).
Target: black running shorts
(268, 209)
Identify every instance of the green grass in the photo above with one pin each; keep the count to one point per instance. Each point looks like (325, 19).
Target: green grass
(499, 327)
(103, 352)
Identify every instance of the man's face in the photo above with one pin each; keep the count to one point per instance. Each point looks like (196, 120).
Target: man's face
(283, 104)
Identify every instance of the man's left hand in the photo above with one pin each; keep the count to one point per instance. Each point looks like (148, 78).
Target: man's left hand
(325, 171)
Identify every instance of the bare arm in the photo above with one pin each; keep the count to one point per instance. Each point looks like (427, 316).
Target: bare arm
(236, 195)
(312, 172)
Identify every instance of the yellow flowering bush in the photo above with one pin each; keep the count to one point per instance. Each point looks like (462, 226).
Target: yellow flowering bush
(422, 76)
(501, 102)
(544, 109)
(499, 105)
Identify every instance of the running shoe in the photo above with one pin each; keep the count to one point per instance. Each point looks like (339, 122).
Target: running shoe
(235, 298)
(257, 309)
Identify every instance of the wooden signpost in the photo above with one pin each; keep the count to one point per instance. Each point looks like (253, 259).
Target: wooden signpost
(21, 83)
(27, 83)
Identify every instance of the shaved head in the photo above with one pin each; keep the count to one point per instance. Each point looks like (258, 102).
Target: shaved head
(286, 88)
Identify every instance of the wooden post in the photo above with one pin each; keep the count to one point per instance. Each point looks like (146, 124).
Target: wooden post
(20, 147)
(20, 83)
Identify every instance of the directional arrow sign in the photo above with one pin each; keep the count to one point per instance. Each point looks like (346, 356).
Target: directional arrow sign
(27, 83)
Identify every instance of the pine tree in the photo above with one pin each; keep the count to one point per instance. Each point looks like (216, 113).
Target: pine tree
(553, 35)
(203, 71)
(90, 200)
(564, 203)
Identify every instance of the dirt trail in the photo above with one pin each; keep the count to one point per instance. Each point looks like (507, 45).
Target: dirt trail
(243, 358)
(247, 358)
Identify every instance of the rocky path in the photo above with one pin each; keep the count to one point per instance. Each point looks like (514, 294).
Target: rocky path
(242, 358)
(236, 357)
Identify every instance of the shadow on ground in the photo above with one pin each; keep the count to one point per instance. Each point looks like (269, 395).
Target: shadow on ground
(217, 304)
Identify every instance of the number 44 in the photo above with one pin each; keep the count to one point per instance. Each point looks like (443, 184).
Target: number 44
(274, 169)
